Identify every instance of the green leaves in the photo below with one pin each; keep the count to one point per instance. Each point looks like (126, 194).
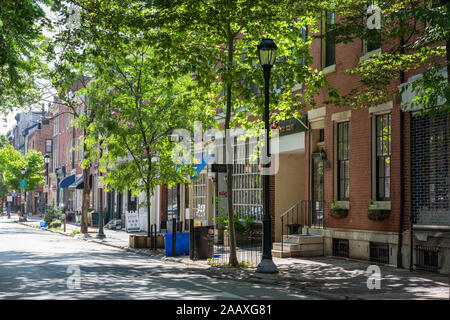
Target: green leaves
(11, 163)
(21, 25)
(415, 37)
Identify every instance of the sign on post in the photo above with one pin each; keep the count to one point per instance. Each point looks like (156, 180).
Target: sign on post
(216, 167)
(132, 222)
(23, 184)
(9, 198)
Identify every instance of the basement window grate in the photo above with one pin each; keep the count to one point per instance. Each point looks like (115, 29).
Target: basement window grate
(379, 252)
(340, 248)
(427, 258)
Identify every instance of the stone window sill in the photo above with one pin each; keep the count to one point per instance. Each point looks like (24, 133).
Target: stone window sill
(380, 205)
(342, 205)
(369, 54)
(329, 69)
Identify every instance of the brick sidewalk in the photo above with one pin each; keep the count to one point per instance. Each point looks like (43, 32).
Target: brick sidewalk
(327, 277)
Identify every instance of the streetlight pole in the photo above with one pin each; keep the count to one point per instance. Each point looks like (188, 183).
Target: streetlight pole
(47, 160)
(22, 201)
(267, 52)
(100, 234)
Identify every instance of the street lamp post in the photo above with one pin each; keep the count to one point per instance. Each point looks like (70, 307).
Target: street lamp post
(267, 50)
(23, 187)
(101, 234)
(47, 161)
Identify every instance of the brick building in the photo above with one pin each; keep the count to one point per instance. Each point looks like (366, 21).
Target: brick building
(358, 166)
(41, 141)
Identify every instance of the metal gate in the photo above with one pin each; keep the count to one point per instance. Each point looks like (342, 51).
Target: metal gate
(247, 209)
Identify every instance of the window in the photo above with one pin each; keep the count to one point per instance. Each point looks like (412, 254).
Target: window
(383, 157)
(343, 162)
(379, 252)
(328, 43)
(48, 146)
(247, 182)
(341, 247)
(199, 196)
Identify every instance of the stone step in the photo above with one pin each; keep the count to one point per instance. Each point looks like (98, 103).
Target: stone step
(310, 253)
(303, 239)
(281, 254)
(287, 246)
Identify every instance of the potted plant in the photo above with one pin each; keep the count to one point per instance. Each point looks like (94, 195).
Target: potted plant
(339, 209)
(378, 211)
(241, 227)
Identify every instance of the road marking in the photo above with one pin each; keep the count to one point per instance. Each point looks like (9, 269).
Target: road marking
(226, 294)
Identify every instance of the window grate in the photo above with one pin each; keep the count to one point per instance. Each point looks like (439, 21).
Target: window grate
(340, 248)
(427, 258)
(247, 182)
(379, 252)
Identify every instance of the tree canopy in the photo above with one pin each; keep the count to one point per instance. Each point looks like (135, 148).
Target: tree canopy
(21, 34)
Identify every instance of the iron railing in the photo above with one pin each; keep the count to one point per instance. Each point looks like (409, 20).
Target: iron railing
(296, 217)
(427, 258)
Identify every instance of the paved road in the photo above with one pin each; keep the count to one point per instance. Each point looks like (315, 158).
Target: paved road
(42, 265)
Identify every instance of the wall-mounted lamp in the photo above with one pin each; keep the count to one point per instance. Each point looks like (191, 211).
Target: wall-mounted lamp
(323, 154)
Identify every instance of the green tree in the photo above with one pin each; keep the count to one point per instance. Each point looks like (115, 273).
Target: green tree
(414, 34)
(4, 141)
(21, 26)
(144, 107)
(11, 163)
(216, 41)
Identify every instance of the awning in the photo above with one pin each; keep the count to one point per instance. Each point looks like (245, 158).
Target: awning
(67, 181)
(199, 167)
(77, 184)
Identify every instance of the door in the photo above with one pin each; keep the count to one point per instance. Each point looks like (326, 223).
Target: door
(317, 187)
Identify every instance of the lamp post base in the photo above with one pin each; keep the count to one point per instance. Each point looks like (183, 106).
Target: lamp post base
(267, 266)
(100, 236)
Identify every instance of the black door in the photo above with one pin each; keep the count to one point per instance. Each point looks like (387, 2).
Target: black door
(317, 188)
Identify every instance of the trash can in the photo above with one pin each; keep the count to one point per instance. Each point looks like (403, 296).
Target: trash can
(181, 244)
(203, 242)
(95, 219)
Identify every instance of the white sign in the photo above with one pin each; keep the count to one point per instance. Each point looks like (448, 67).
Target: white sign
(9, 198)
(132, 222)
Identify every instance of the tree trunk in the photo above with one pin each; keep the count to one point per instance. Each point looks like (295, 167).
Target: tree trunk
(233, 261)
(148, 211)
(86, 192)
(86, 201)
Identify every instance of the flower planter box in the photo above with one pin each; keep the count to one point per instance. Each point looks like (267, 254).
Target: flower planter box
(338, 213)
(339, 209)
(137, 241)
(379, 211)
(378, 215)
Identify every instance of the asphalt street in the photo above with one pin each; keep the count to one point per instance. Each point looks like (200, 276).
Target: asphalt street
(44, 265)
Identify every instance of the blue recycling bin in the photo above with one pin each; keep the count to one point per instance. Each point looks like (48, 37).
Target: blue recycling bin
(43, 224)
(181, 244)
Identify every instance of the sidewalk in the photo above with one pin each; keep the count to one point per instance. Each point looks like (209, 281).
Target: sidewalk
(114, 238)
(326, 277)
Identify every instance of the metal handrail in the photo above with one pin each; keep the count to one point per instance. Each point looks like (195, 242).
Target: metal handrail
(288, 211)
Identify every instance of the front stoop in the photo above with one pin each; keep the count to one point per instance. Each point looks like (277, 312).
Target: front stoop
(299, 246)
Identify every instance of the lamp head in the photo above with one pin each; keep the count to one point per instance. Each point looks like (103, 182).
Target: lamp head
(267, 51)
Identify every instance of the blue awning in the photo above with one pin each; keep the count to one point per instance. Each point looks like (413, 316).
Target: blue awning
(67, 181)
(199, 167)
